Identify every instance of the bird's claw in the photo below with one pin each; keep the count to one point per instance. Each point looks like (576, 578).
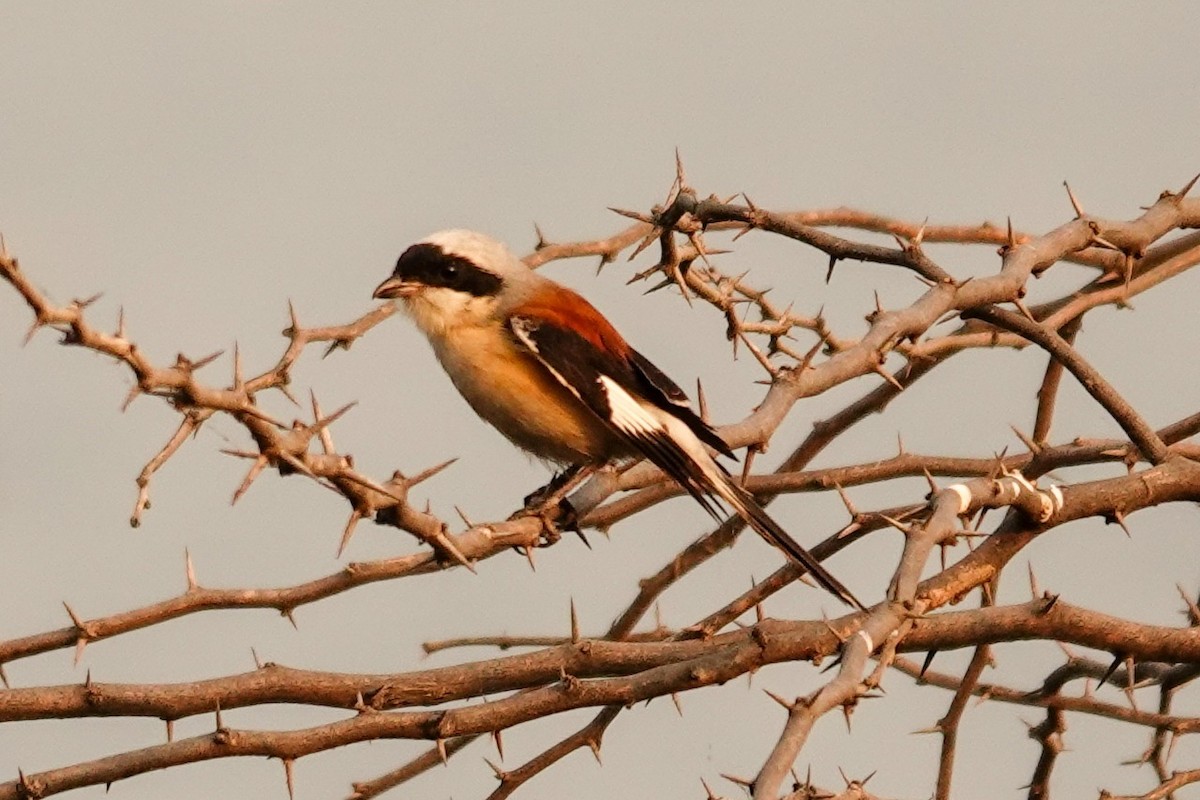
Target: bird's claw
(556, 517)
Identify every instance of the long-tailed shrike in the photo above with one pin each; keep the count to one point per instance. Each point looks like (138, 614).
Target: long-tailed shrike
(543, 366)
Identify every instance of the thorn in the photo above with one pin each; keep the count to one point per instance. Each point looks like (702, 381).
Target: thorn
(785, 703)
(448, 545)
(829, 271)
(220, 724)
(120, 332)
(927, 663)
(752, 452)
(1172, 739)
(1074, 202)
(499, 774)
(986, 591)
(348, 531)
(1187, 187)
(583, 538)
(708, 790)
(298, 465)
(294, 328)
(1049, 601)
(595, 745)
(1024, 309)
(640, 217)
(4, 677)
(933, 487)
(920, 237)
(529, 558)
(426, 474)
(574, 623)
(190, 571)
(260, 463)
(897, 524)
(1029, 443)
(1034, 590)
(257, 660)
(1117, 661)
(74, 617)
(82, 304)
(441, 748)
(678, 705)
(744, 783)
(286, 392)
(1193, 610)
(34, 327)
(239, 381)
(287, 612)
(541, 243)
(701, 401)
(325, 436)
(463, 517)
(289, 778)
(1105, 244)
(170, 730)
(1118, 518)
(846, 500)
(1012, 239)
(899, 444)
(320, 425)
(887, 376)
(497, 739)
(208, 359)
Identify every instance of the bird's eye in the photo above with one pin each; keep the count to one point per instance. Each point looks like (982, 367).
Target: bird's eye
(449, 271)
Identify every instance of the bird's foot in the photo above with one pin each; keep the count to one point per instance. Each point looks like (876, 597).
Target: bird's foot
(558, 486)
(551, 506)
(556, 517)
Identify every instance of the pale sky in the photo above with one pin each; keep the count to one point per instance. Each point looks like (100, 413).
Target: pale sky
(203, 163)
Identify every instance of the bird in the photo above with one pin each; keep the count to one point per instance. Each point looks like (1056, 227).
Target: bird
(544, 367)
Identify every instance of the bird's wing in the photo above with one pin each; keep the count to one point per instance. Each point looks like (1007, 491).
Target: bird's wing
(642, 405)
(622, 394)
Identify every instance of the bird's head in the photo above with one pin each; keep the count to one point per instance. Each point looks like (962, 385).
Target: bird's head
(454, 278)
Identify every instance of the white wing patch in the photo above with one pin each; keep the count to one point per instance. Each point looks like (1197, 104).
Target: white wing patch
(669, 443)
(627, 414)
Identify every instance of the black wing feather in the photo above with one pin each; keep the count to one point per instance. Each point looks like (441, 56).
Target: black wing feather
(667, 395)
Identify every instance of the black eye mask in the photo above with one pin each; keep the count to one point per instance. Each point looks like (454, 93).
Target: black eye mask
(428, 264)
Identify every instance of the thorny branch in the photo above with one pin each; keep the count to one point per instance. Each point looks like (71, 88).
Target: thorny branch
(624, 665)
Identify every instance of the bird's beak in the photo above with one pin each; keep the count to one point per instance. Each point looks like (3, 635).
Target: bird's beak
(395, 287)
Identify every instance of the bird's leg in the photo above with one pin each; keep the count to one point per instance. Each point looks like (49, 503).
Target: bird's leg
(567, 479)
(550, 503)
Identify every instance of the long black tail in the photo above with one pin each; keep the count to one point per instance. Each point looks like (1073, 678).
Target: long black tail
(671, 441)
(756, 517)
